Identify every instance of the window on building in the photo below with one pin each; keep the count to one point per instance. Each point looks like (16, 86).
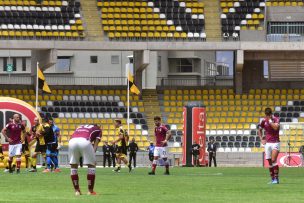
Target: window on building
(185, 65)
(93, 59)
(115, 59)
(265, 70)
(159, 68)
(4, 64)
(14, 64)
(23, 64)
(63, 64)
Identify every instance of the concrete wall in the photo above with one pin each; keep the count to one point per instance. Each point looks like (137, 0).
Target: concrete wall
(18, 54)
(253, 35)
(150, 73)
(81, 66)
(285, 14)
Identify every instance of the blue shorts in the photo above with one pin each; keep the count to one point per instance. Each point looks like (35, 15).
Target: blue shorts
(51, 150)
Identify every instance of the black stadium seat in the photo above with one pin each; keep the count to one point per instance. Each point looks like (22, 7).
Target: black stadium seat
(223, 144)
(62, 103)
(135, 121)
(63, 109)
(75, 103)
(225, 138)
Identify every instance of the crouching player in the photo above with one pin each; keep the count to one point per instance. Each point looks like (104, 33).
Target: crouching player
(80, 145)
(271, 141)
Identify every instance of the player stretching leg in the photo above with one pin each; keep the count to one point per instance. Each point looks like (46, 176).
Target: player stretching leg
(15, 146)
(271, 125)
(162, 135)
(80, 145)
(121, 141)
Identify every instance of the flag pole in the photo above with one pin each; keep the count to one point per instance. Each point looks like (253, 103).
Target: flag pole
(128, 100)
(37, 86)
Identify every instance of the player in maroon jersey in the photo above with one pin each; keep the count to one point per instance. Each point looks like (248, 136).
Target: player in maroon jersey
(15, 129)
(271, 125)
(162, 135)
(83, 143)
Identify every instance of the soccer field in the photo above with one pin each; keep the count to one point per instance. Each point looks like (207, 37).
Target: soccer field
(184, 184)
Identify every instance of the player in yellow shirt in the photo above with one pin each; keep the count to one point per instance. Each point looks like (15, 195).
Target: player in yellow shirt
(3, 159)
(121, 141)
(37, 132)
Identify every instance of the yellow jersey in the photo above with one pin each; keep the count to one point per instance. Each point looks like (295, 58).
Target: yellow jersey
(39, 130)
(123, 132)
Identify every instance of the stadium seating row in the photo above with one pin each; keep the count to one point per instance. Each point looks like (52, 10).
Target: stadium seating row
(153, 20)
(51, 19)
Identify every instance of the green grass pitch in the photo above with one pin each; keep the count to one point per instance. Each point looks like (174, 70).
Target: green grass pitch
(183, 185)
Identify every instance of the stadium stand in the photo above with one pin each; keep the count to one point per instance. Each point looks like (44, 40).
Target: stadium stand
(241, 15)
(71, 108)
(153, 20)
(231, 118)
(48, 20)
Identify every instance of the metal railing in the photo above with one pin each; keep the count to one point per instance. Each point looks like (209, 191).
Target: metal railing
(14, 79)
(72, 80)
(285, 31)
(208, 82)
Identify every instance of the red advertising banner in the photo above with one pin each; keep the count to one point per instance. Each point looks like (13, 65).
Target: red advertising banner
(199, 131)
(184, 137)
(287, 160)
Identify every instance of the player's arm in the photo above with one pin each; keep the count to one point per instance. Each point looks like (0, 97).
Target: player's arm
(260, 134)
(97, 140)
(59, 136)
(4, 133)
(168, 136)
(119, 138)
(274, 124)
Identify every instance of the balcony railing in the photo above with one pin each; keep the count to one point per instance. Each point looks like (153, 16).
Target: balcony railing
(208, 82)
(14, 79)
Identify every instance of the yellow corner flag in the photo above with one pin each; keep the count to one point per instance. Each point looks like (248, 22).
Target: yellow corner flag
(132, 86)
(42, 83)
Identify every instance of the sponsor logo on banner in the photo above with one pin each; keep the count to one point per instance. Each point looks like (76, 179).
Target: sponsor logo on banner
(284, 159)
(199, 130)
(184, 135)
